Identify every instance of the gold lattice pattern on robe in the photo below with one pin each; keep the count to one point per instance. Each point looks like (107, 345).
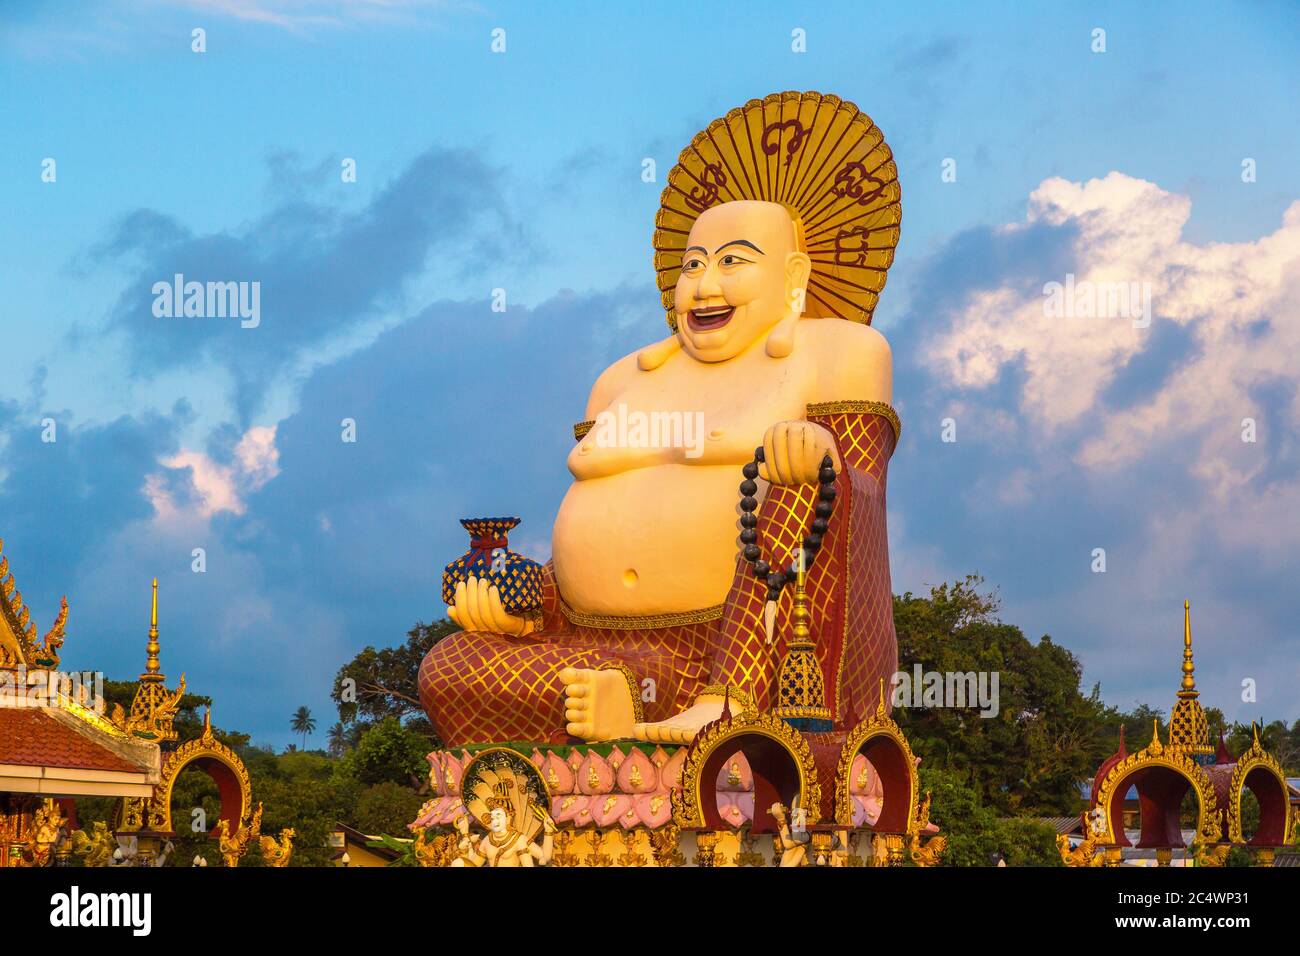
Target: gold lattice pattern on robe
(825, 161)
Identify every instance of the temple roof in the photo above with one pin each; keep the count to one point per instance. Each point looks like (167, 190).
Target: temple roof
(38, 737)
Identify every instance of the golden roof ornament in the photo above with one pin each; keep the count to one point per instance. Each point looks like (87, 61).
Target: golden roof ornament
(18, 642)
(154, 707)
(1188, 728)
(820, 157)
(801, 692)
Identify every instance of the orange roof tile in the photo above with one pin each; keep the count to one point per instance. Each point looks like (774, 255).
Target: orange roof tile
(29, 737)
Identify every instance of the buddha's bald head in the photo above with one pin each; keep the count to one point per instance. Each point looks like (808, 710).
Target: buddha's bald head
(743, 271)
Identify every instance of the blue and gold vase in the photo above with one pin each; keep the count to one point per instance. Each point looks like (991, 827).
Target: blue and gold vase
(489, 558)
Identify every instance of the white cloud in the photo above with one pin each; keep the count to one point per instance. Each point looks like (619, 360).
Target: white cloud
(216, 487)
(1129, 231)
(1186, 507)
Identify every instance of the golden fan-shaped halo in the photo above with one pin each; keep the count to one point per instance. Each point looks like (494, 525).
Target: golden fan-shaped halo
(816, 154)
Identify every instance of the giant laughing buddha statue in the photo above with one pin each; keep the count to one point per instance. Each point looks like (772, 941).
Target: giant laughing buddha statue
(666, 599)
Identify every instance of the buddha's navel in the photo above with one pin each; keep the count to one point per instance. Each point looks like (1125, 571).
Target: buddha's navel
(630, 578)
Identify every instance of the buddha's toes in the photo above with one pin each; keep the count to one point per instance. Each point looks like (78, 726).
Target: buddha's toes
(597, 704)
(682, 728)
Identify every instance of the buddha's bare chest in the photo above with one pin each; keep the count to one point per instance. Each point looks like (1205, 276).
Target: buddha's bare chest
(725, 409)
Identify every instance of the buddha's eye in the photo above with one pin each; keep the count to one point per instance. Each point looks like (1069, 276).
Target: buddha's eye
(693, 264)
(730, 260)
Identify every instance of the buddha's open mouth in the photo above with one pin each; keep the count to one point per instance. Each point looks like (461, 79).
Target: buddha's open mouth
(704, 320)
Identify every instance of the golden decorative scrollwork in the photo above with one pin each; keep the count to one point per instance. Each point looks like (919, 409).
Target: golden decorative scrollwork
(1206, 855)
(278, 853)
(233, 847)
(688, 808)
(649, 621)
(859, 407)
(95, 849)
(663, 844)
(1085, 854)
(1155, 754)
(155, 813)
(1254, 758)
(18, 643)
(880, 724)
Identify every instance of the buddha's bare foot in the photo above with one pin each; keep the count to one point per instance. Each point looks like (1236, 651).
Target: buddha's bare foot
(682, 728)
(597, 704)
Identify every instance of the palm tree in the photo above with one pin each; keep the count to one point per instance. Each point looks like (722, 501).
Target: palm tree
(338, 740)
(303, 723)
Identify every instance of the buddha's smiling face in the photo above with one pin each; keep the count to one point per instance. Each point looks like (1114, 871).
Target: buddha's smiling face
(742, 273)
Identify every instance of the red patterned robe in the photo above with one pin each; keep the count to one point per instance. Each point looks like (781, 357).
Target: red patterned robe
(492, 688)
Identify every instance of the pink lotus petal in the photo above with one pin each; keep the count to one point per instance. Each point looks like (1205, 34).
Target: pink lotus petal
(558, 775)
(866, 810)
(608, 810)
(638, 766)
(735, 768)
(654, 809)
(436, 781)
(565, 809)
(615, 758)
(745, 801)
(595, 776)
(427, 816)
(450, 812)
(670, 774)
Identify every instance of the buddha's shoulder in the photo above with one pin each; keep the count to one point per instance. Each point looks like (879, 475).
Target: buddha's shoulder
(853, 360)
(611, 382)
(852, 339)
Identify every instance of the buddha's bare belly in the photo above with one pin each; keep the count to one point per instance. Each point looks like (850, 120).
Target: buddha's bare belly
(652, 540)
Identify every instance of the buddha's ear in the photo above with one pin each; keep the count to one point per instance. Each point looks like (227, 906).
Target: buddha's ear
(798, 268)
(652, 356)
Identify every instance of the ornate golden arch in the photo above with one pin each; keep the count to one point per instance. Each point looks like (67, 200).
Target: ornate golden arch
(1156, 754)
(688, 808)
(880, 724)
(1254, 758)
(155, 813)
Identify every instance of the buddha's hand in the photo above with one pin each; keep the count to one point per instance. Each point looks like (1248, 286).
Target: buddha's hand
(793, 452)
(478, 607)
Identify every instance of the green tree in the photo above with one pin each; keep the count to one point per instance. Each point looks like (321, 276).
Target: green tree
(338, 740)
(1047, 735)
(385, 683)
(1024, 841)
(956, 807)
(388, 752)
(386, 808)
(303, 723)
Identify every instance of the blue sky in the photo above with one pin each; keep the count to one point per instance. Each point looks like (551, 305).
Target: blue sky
(522, 171)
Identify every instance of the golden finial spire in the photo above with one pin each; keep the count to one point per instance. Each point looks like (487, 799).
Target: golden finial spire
(1189, 668)
(154, 706)
(152, 671)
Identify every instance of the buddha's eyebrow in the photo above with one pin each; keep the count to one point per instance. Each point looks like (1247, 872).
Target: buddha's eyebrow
(738, 242)
(689, 248)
